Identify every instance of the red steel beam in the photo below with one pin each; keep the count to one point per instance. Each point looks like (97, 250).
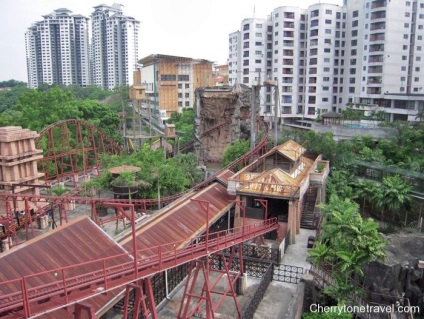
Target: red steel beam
(107, 278)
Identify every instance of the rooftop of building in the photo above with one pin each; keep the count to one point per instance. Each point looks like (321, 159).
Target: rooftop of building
(152, 58)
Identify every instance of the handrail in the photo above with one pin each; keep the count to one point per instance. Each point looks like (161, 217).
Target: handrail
(118, 270)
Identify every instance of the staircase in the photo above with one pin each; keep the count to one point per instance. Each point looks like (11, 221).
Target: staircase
(307, 220)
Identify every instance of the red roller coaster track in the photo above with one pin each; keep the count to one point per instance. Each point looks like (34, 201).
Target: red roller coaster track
(28, 299)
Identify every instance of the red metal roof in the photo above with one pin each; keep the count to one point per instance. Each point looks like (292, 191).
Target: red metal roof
(76, 242)
(183, 221)
(225, 175)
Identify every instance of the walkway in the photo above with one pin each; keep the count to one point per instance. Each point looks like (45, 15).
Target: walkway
(278, 295)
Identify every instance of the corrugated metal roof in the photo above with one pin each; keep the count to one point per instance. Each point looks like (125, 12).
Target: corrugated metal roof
(181, 222)
(277, 181)
(291, 150)
(224, 176)
(78, 241)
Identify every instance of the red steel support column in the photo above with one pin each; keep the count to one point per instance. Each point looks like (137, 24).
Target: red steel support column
(242, 206)
(83, 306)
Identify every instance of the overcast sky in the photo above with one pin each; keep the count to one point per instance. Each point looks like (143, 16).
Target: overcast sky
(192, 28)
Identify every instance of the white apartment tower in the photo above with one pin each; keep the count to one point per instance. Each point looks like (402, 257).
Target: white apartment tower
(114, 46)
(57, 50)
(366, 54)
(386, 56)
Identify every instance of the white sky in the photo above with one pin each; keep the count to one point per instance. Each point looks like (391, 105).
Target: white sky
(192, 28)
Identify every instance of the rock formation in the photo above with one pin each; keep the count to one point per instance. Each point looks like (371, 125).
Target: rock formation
(222, 117)
(399, 275)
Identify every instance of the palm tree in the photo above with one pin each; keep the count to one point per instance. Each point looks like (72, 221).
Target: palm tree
(347, 242)
(392, 195)
(366, 190)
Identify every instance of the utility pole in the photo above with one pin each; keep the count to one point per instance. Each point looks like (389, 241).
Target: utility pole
(253, 118)
(276, 114)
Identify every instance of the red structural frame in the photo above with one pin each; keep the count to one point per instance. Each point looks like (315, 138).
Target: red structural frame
(66, 156)
(82, 156)
(71, 289)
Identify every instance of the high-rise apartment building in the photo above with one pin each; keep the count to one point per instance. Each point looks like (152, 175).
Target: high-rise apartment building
(114, 46)
(366, 54)
(57, 50)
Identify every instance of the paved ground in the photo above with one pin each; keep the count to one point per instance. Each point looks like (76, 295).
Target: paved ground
(278, 295)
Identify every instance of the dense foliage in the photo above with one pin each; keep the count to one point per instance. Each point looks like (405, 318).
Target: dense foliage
(10, 92)
(184, 125)
(404, 150)
(347, 243)
(157, 176)
(36, 109)
(235, 151)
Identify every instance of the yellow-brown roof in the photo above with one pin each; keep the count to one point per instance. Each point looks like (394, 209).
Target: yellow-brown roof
(291, 150)
(124, 168)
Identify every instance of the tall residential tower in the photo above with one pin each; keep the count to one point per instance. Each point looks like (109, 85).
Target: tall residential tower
(114, 46)
(57, 50)
(366, 54)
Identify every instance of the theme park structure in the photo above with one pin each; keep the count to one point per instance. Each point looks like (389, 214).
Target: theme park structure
(77, 289)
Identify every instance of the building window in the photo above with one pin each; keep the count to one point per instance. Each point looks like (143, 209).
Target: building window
(184, 77)
(355, 13)
(416, 79)
(168, 77)
(328, 11)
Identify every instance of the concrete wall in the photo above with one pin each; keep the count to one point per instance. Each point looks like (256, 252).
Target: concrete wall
(346, 133)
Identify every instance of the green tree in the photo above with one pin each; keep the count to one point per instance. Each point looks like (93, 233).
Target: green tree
(235, 151)
(184, 124)
(8, 98)
(39, 109)
(333, 313)
(392, 195)
(365, 191)
(341, 184)
(347, 242)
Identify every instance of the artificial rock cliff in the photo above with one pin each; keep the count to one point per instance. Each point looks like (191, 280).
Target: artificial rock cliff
(400, 274)
(222, 117)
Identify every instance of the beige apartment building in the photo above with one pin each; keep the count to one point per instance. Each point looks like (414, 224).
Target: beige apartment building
(170, 82)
